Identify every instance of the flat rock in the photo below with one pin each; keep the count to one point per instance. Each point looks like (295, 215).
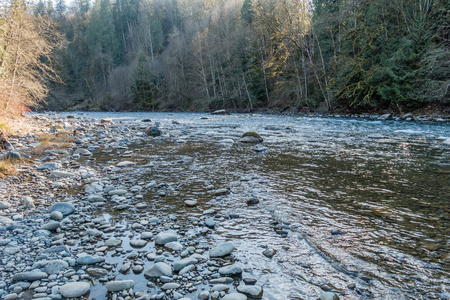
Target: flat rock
(113, 242)
(66, 208)
(4, 242)
(50, 166)
(93, 232)
(30, 276)
(165, 237)
(190, 202)
(60, 174)
(223, 280)
(138, 243)
(51, 266)
(222, 250)
(235, 296)
(175, 246)
(89, 259)
(52, 226)
(95, 198)
(221, 287)
(146, 235)
(97, 272)
(328, 296)
(118, 192)
(5, 220)
(74, 289)
(157, 270)
(253, 291)
(114, 286)
(170, 286)
(4, 205)
(234, 269)
(178, 265)
(125, 164)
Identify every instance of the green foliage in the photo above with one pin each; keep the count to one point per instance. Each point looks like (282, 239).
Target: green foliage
(144, 87)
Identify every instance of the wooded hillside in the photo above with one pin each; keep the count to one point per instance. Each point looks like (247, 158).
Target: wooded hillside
(247, 54)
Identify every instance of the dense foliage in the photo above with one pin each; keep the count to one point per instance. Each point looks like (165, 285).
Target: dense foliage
(251, 54)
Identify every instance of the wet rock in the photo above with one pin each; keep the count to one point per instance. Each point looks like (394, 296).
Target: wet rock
(74, 289)
(157, 270)
(190, 202)
(251, 290)
(186, 269)
(97, 272)
(175, 246)
(113, 242)
(269, 253)
(203, 295)
(221, 287)
(125, 268)
(65, 208)
(221, 192)
(231, 270)
(82, 152)
(250, 281)
(227, 141)
(235, 296)
(223, 280)
(385, 117)
(329, 296)
(252, 201)
(146, 235)
(93, 232)
(251, 137)
(222, 250)
(220, 112)
(138, 243)
(51, 266)
(106, 121)
(30, 276)
(170, 286)
(115, 286)
(4, 205)
(138, 269)
(184, 262)
(11, 296)
(86, 259)
(165, 237)
(210, 223)
(118, 192)
(153, 131)
(260, 148)
(126, 164)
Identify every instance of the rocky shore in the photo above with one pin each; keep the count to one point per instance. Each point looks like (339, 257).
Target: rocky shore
(55, 243)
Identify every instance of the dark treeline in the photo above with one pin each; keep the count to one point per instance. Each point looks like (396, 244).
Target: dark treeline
(251, 54)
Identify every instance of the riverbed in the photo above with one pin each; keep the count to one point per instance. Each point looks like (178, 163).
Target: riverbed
(356, 207)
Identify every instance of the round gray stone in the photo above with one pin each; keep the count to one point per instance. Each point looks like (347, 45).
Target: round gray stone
(74, 289)
(114, 286)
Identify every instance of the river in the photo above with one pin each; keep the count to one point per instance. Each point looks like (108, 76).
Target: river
(356, 206)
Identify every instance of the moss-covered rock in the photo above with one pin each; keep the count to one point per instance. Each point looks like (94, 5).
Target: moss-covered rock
(251, 137)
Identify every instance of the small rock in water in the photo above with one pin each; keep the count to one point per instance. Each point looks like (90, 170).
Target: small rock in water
(252, 201)
(175, 246)
(190, 202)
(74, 289)
(165, 237)
(222, 250)
(251, 290)
(235, 296)
(210, 222)
(138, 243)
(126, 164)
(269, 253)
(157, 270)
(115, 286)
(234, 269)
(170, 286)
(329, 296)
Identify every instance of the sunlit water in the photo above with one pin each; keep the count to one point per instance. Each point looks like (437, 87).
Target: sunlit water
(363, 202)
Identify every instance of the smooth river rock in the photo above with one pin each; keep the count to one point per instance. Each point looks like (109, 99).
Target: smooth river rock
(157, 270)
(114, 286)
(165, 237)
(234, 269)
(235, 296)
(74, 289)
(178, 265)
(250, 290)
(66, 208)
(30, 276)
(222, 250)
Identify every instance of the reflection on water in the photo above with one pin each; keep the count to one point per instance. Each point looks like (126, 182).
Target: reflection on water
(363, 202)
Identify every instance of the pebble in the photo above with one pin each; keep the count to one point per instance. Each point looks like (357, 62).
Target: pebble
(235, 296)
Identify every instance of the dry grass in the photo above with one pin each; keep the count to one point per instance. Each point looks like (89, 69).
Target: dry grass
(7, 168)
(49, 141)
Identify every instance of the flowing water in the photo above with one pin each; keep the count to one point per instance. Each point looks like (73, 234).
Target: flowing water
(359, 207)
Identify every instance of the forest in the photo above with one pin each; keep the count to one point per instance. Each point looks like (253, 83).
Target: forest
(240, 55)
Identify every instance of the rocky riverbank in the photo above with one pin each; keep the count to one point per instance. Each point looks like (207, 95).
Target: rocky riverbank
(56, 243)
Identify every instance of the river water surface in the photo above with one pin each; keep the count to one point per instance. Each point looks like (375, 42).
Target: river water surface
(358, 207)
